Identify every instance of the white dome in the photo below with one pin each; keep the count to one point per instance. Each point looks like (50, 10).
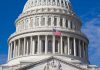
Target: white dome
(31, 4)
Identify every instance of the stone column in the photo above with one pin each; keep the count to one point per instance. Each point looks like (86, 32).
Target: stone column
(33, 22)
(60, 2)
(58, 47)
(41, 46)
(46, 21)
(69, 24)
(64, 3)
(27, 47)
(65, 47)
(24, 45)
(11, 51)
(46, 45)
(52, 21)
(53, 44)
(33, 47)
(19, 47)
(64, 22)
(38, 45)
(61, 40)
(68, 42)
(74, 47)
(80, 48)
(31, 44)
(39, 21)
(14, 48)
(56, 2)
(58, 21)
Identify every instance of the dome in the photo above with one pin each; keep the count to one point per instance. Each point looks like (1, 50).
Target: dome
(32, 4)
(47, 27)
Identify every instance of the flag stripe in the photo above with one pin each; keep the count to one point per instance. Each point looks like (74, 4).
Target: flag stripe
(56, 32)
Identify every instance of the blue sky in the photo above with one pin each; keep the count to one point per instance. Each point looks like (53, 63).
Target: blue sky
(87, 10)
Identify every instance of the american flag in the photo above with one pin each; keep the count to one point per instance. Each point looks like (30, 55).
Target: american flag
(56, 32)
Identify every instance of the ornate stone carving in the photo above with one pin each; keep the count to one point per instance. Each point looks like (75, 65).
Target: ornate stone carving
(53, 65)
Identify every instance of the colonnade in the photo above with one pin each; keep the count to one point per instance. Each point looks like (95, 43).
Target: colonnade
(47, 44)
(33, 22)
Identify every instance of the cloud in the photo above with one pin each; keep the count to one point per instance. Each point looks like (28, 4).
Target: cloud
(91, 28)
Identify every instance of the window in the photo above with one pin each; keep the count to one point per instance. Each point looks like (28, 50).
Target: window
(55, 21)
(71, 25)
(61, 22)
(21, 46)
(31, 22)
(62, 2)
(43, 21)
(58, 1)
(56, 46)
(36, 47)
(12, 50)
(44, 0)
(49, 0)
(63, 47)
(77, 47)
(53, 0)
(50, 46)
(71, 46)
(66, 23)
(35, 1)
(43, 46)
(37, 21)
(49, 21)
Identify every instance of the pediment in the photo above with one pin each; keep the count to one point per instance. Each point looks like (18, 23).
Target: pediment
(51, 64)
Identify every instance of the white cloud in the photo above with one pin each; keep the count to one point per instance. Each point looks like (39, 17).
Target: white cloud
(92, 29)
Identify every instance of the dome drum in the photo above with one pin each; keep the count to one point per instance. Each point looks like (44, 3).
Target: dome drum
(34, 35)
